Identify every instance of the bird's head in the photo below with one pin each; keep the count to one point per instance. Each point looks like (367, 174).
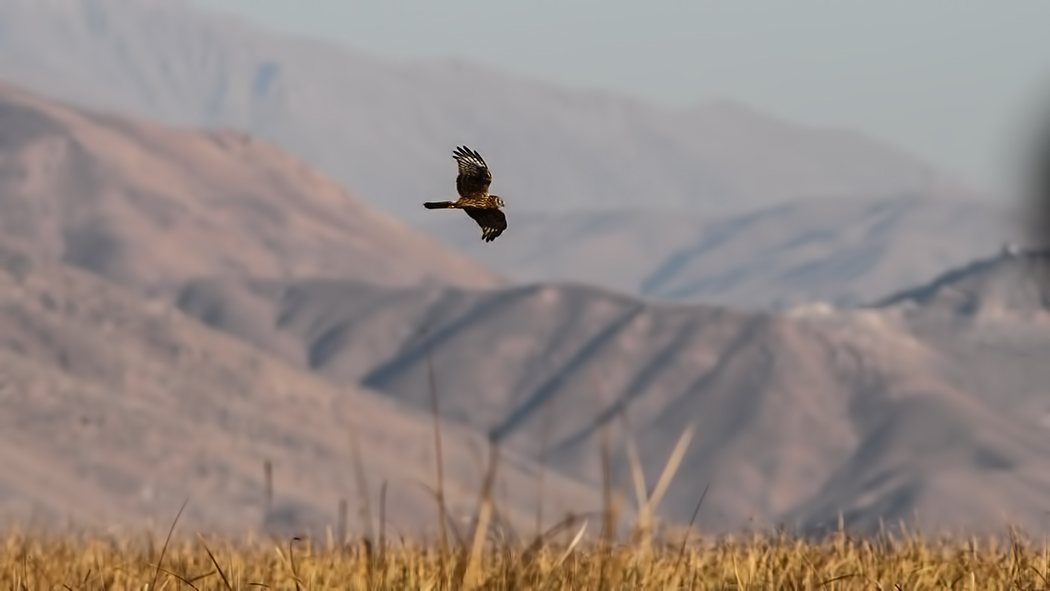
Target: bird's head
(499, 201)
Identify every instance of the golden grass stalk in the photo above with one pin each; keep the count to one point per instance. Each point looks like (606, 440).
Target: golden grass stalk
(472, 573)
(436, 415)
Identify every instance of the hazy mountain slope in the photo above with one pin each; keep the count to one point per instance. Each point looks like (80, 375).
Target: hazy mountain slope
(117, 434)
(845, 252)
(796, 416)
(999, 307)
(840, 250)
(984, 328)
(1009, 282)
(387, 127)
(145, 204)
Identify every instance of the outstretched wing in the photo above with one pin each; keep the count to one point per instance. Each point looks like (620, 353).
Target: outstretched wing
(491, 220)
(474, 176)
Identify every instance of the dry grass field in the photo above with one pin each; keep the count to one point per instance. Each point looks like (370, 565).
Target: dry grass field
(579, 552)
(839, 562)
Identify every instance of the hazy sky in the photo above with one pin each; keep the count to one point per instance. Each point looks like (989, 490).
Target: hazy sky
(957, 82)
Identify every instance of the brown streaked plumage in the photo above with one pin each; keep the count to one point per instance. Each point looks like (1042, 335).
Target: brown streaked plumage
(472, 184)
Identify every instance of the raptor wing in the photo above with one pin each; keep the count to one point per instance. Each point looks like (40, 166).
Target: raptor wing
(474, 177)
(492, 221)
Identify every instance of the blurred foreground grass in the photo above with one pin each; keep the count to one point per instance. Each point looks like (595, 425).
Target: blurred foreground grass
(838, 562)
(491, 556)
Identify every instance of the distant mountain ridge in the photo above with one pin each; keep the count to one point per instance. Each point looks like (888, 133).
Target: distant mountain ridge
(1014, 282)
(663, 203)
(149, 206)
(386, 127)
(848, 252)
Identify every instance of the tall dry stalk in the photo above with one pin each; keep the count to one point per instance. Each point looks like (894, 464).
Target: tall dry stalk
(471, 562)
(548, 415)
(439, 492)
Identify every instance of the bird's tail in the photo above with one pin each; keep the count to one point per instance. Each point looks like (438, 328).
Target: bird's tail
(439, 204)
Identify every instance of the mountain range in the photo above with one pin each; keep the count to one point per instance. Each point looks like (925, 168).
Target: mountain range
(117, 407)
(180, 305)
(680, 204)
(387, 128)
(877, 413)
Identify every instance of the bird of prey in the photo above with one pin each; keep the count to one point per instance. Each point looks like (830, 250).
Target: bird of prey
(472, 184)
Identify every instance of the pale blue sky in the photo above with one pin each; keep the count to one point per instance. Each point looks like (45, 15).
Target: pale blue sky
(957, 82)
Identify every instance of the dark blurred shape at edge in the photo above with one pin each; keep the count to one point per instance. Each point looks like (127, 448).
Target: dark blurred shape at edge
(1035, 210)
(1036, 224)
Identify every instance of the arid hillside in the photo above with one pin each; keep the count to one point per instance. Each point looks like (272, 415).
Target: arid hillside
(117, 406)
(116, 409)
(877, 413)
(149, 205)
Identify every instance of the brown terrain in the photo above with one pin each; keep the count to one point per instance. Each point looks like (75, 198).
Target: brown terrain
(118, 403)
(116, 409)
(147, 205)
(116, 406)
(933, 407)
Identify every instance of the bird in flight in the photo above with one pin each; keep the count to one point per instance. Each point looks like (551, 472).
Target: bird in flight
(472, 184)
